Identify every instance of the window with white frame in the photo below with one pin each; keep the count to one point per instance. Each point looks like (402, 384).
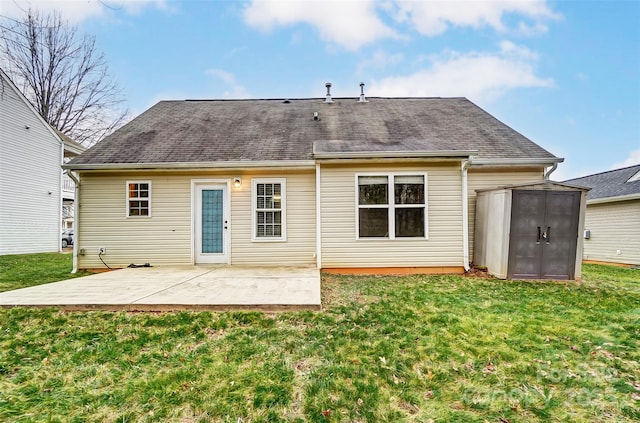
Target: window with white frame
(138, 198)
(269, 209)
(392, 206)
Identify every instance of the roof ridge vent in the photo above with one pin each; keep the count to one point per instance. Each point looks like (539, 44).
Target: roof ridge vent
(328, 98)
(362, 99)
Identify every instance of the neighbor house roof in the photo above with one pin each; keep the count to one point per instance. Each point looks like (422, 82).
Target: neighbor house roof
(614, 184)
(245, 131)
(71, 147)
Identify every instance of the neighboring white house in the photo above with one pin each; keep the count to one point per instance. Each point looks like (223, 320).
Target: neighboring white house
(31, 179)
(612, 219)
(71, 150)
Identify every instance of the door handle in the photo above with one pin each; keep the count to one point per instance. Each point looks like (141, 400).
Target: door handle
(538, 239)
(547, 235)
(225, 224)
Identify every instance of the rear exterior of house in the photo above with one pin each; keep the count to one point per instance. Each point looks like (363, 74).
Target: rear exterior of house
(612, 218)
(388, 185)
(30, 177)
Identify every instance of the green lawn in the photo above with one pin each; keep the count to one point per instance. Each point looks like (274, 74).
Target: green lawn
(20, 271)
(416, 349)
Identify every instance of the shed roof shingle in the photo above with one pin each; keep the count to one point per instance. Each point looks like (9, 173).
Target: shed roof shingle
(613, 183)
(265, 130)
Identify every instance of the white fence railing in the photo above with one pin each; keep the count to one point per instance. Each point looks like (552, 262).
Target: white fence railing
(68, 188)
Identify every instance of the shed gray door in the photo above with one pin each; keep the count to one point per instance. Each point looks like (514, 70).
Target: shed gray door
(544, 234)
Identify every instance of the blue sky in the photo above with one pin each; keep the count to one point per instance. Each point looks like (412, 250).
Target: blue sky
(566, 74)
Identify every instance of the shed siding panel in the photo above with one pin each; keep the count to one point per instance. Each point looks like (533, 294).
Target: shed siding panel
(30, 179)
(613, 226)
(165, 237)
(483, 179)
(444, 210)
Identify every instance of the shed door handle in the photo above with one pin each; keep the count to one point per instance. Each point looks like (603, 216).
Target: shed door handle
(547, 234)
(538, 240)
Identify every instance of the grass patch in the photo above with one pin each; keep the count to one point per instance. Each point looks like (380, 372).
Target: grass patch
(23, 270)
(418, 348)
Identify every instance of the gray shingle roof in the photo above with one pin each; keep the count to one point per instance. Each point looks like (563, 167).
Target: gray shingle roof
(613, 183)
(264, 130)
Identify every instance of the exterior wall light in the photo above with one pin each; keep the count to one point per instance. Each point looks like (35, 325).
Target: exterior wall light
(237, 182)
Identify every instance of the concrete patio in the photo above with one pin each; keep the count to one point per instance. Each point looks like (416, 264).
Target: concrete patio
(179, 288)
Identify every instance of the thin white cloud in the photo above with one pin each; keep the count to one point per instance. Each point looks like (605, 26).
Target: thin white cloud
(226, 77)
(482, 77)
(77, 11)
(234, 89)
(514, 50)
(380, 60)
(632, 159)
(350, 24)
(531, 30)
(433, 18)
(236, 92)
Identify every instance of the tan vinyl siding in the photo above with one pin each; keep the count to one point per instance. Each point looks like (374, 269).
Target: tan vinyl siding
(613, 226)
(493, 178)
(30, 179)
(300, 247)
(165, 237)
(444, 211)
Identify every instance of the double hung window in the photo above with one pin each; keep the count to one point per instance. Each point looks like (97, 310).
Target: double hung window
(269, 209)
(392, 206)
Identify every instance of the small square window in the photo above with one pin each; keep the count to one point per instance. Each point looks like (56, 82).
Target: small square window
(138, 199)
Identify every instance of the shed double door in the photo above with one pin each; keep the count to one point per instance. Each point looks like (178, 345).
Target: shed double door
(544, 234)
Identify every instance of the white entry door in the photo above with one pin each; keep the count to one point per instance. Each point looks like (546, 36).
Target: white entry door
(211, 231)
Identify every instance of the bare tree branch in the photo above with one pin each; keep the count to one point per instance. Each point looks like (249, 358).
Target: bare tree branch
(63, 75)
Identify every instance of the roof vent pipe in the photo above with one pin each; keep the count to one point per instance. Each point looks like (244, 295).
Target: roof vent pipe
(328, 99)
(315, 116)
(362, 99)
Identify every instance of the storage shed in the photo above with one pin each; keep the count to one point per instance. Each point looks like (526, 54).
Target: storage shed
(530, 231)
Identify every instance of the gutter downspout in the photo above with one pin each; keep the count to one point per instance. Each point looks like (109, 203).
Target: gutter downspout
(550, 171)
(465, 215)
(60, 188)
(76, 218)
(318, 221)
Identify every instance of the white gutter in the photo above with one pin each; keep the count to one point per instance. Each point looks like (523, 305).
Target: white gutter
(390, 154)
(627, 197)
(76, 219)
(550, 171)
(465, 216)
(237, 164)
(318, 221)
(516, 162)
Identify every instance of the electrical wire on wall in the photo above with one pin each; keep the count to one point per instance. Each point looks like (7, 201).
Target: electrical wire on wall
(100, 257)
(101, 252)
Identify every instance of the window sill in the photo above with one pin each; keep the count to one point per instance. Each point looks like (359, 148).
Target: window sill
(392, 239)
(260, 240)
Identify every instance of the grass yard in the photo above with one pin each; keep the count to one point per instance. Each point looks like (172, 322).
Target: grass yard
(420, 348)
(23, 270)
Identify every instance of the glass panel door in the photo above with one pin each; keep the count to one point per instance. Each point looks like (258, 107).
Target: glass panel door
(212, 221)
